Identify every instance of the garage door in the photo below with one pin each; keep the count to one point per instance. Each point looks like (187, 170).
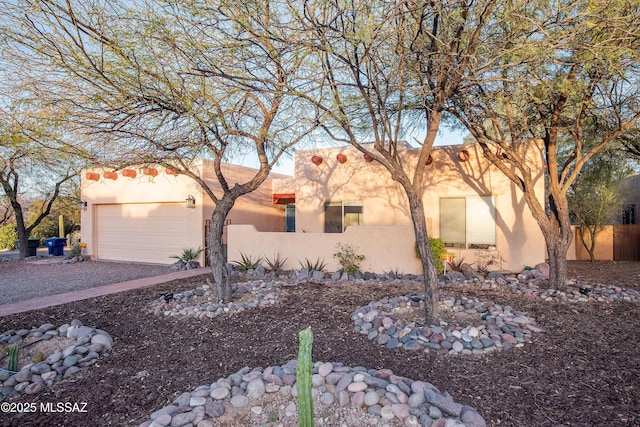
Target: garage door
(142, 232)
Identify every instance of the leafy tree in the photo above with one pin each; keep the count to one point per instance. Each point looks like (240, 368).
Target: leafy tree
(384, 68)
(561, 73)
(595, 196)
(31, 167)
(168, 82)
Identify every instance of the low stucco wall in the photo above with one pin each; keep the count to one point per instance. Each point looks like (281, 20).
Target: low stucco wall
(386, 248)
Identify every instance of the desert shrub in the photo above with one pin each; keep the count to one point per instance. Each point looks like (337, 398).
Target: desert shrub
(347, 257)
(437, 249)
(8, 236)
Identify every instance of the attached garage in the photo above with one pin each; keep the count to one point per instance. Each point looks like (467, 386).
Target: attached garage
(142, 232)
(148, 213)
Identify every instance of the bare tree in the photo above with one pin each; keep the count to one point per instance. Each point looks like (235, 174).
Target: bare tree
(386, 67)
(167, 83)
(548, 72)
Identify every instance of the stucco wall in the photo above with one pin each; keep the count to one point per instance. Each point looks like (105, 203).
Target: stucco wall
(518, 236)
(256, 208)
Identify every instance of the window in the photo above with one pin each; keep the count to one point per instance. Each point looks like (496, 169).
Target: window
(629, 214)
(340, 215)
(468, 222)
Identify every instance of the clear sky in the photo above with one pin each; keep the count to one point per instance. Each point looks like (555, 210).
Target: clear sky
(286, 165)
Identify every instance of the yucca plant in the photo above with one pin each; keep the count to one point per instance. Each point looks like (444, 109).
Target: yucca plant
(247, 263)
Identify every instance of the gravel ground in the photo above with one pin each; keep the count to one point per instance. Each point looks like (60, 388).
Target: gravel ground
(583, 371)
(23, 280)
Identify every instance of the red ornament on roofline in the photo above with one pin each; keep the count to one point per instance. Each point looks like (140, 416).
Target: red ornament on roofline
(367, 158)
(92, 176)
(110, 175)
(463, 155)
(129, 173)
(341, 158)
(150, 171)
(429, 160)
(316, 160)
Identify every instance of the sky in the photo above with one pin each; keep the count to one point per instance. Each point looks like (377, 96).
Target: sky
(286, 165)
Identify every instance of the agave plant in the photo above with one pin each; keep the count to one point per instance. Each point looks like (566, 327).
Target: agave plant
(247, 263)
(313, 266)
(188, 254)
(276, 263)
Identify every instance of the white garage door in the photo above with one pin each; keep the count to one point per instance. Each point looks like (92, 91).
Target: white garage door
(142, 232)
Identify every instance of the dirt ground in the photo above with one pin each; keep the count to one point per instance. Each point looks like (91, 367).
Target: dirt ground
(584, 370)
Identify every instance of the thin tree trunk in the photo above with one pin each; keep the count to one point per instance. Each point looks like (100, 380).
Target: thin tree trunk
(23, 234)
(429, 275)
(216, 250)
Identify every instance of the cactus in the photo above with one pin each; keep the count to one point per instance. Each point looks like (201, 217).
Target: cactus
(303, 379)
(13, 358)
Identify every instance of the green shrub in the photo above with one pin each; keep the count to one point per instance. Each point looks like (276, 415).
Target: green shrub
(347, 257)
(437, 249)
(8, 236)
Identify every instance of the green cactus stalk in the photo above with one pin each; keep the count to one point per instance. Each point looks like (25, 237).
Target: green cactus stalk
(13, 358)
(303, 379)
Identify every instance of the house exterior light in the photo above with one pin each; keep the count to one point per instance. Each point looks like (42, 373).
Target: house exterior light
(190, 202)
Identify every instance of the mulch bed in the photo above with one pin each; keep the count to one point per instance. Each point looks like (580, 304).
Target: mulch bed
(583, 371)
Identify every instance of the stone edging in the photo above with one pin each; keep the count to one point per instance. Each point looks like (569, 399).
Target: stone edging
(90, 345)
(183, 304)
(498, 326)
(378, 392)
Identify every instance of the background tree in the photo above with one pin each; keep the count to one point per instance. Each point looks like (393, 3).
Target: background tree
(32, 167)
(385, 69)
(169, 82)
(595, 197)
(562, 73)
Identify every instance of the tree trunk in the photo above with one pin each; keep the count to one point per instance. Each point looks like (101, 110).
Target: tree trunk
(216, 249)
(557, 254)
(23, 234)
(429, 274)
(558, 236)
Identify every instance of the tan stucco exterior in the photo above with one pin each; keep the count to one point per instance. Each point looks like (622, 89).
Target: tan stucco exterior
(519, 241)
(140, 199)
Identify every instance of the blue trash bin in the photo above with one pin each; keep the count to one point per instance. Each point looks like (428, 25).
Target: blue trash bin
(56, 245)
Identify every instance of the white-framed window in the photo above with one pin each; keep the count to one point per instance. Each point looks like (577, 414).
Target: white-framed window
(340, 215)
(468, 222)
